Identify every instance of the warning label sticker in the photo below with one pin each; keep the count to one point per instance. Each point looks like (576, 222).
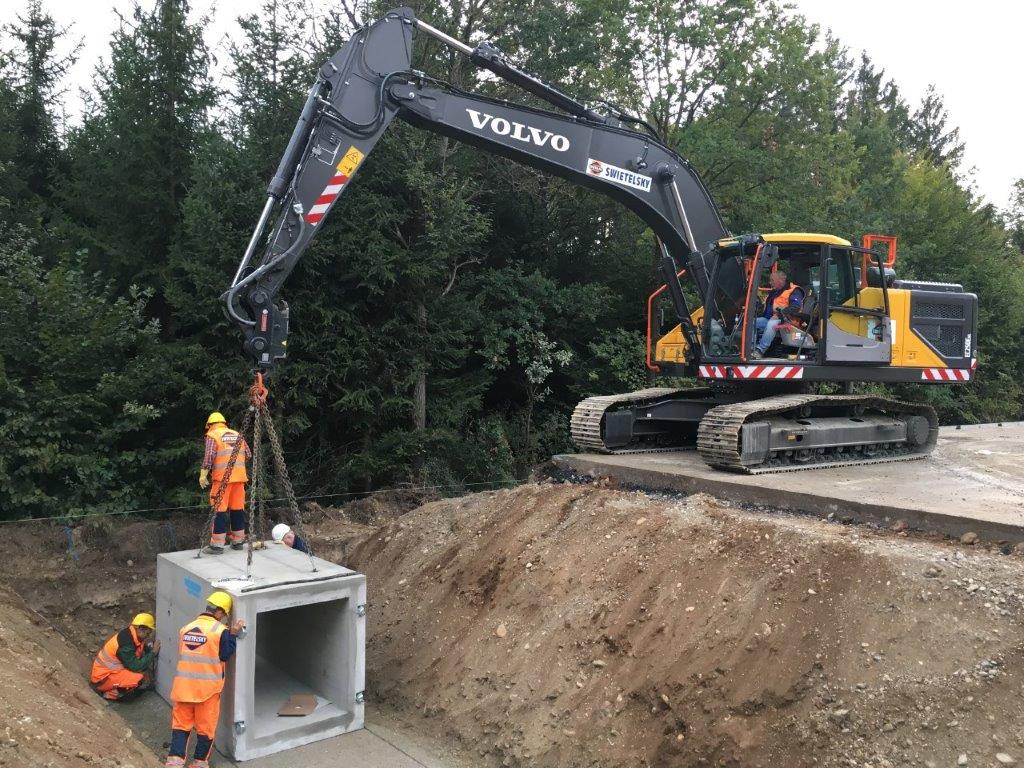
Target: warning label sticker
(350, 162)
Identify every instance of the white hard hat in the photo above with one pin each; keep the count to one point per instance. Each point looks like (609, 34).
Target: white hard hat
(279, 531)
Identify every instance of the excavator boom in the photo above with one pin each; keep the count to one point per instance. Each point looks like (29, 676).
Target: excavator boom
(369, 82)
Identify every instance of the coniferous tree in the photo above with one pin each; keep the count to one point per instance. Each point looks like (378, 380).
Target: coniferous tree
(133, 155)
(930, 134)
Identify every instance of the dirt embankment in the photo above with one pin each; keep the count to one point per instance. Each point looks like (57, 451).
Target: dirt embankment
(574, 625)
(50, 717)
(563, 625)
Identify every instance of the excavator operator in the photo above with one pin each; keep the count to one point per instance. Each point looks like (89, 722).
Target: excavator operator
(783, 296)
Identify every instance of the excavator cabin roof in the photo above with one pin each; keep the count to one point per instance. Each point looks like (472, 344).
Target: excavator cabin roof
(794, 237)
(804, 237)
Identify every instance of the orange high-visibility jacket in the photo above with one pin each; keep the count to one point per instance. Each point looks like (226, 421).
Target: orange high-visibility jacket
(106, 661)
(780, 302)
(200, 672)
(226, 439)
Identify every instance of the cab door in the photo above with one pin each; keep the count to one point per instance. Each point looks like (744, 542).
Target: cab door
(858, 328)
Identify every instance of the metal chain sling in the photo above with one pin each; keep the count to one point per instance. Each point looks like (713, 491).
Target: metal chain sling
(285, 481)
(258, 416)
(255, 490)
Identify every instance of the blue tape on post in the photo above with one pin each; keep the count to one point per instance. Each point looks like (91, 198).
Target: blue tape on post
(69, 536)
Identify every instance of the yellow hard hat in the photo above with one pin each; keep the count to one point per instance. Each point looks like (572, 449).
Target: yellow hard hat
(216, 418)
(144, 620)
(220, 600)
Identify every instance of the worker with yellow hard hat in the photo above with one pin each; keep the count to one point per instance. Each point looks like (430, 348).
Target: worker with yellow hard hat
(124, 666)
(204, 646)
(221, 441)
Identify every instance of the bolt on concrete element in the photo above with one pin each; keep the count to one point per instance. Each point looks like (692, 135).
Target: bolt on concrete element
(306, 635)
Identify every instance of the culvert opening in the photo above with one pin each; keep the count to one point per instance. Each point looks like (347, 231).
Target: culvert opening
(302, 651)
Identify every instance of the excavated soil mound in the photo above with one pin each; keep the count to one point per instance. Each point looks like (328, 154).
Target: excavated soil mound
(561, 625)
(576, 625)
(50, 717)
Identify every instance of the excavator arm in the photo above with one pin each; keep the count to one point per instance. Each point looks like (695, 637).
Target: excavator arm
(369, 82)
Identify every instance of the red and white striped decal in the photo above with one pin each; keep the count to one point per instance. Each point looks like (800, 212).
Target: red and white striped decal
(712, 371)
(343, 172)
(946, 374)
(768, 371)
(328, 196)
(750, 371)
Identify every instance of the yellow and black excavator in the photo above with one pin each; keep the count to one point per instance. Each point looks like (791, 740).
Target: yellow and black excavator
(761, 320)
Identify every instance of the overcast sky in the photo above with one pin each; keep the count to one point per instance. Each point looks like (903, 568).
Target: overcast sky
(970, 51)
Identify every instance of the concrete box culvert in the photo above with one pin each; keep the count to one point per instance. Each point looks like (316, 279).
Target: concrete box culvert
(306, 634)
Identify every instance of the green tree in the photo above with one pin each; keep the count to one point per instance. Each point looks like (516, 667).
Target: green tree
(133, 154)
(36, 72)
(80, 385)
(1015, 216)
(930, 133)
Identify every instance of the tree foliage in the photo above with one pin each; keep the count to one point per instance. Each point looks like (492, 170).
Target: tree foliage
(455, 305)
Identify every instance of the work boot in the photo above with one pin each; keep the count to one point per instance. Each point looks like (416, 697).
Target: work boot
(237, 545)
(757, 354)
(213, 549)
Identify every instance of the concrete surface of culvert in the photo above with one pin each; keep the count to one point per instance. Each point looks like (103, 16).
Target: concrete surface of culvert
(305, 635)
(973, 481)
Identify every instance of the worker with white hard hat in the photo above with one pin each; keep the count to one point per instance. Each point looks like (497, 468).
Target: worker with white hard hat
(283, 534)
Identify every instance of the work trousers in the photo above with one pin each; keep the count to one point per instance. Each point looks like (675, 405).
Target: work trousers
(201, 715)
(233, 502)
(118, 684)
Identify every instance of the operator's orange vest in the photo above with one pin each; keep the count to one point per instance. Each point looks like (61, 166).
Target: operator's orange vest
(106, 661)
(782, 300)
(200, 672)
(226, 439)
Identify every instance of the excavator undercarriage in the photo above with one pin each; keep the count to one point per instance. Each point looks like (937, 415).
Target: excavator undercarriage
(777, 433)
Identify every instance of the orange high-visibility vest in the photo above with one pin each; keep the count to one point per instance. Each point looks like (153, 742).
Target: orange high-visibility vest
(106, 661)
(226, 439)
(200, 672)
(782, 300)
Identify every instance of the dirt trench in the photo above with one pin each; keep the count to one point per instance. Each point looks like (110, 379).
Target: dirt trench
(48, 715)
(575, 625)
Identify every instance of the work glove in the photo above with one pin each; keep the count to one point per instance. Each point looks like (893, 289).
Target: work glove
(204, 478)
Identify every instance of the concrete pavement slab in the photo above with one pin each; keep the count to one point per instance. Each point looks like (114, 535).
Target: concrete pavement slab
(973, 481)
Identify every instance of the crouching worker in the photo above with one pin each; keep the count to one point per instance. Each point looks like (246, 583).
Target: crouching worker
(124, 666)
(220, 443)
(285, 535)
(204, 645)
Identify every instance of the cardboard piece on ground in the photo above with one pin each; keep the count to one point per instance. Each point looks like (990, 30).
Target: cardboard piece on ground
(298, 705)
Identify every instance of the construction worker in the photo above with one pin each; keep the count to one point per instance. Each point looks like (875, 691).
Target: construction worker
(204, 645)
(124, 666)
(283, 533)
(784, 296)
(220, 442)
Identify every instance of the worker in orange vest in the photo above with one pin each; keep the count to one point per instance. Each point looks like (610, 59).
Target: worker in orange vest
(204, 645)
(784, 297)
(124, 666)
(220, 442)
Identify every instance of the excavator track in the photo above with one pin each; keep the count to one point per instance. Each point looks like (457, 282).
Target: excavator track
(588, 414)
(719, 437)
